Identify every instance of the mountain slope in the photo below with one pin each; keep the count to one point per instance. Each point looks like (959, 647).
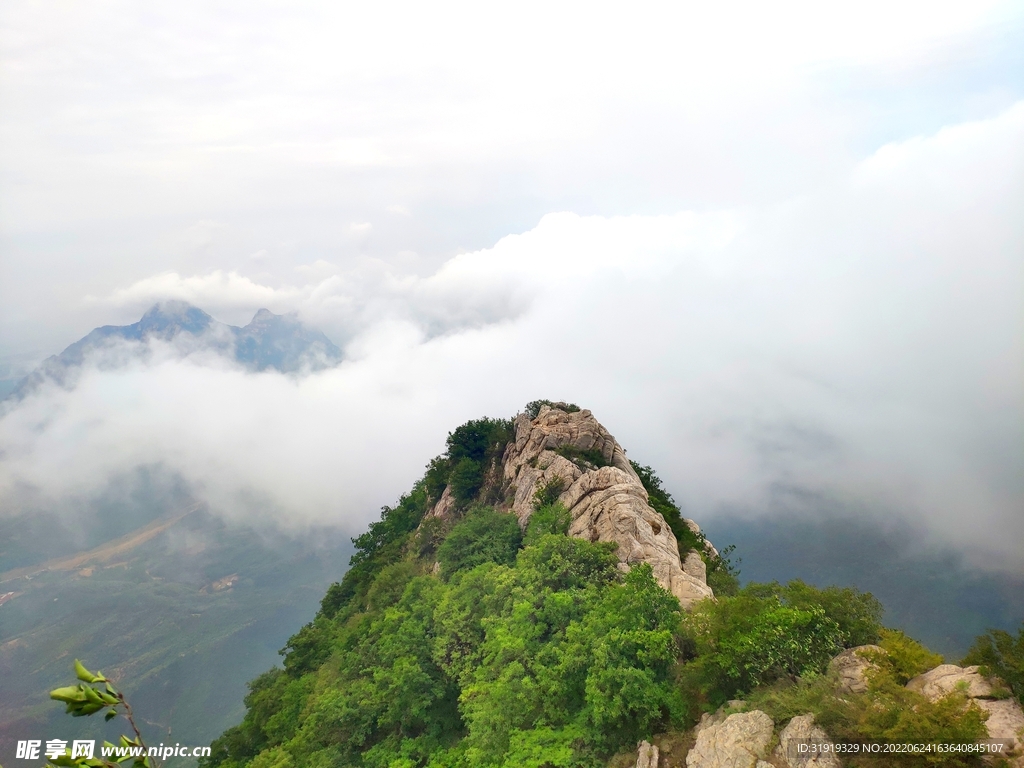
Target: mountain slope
(522, 599)
(519, 607)
(184, 610)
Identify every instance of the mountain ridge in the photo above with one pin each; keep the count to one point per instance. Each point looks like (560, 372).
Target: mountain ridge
(269, 341)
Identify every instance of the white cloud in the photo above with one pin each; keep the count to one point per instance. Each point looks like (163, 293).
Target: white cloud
(863, 345)
(217, 290)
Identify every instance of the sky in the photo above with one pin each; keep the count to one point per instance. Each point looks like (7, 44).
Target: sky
(779, 251)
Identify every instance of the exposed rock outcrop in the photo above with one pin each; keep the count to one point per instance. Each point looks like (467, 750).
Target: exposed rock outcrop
(444, 506)
(944, 679)
(852, 665)
(646, 755)
(1006, 718)
(738, 741)
(1005, 721)
(606, 503)
(802, 730)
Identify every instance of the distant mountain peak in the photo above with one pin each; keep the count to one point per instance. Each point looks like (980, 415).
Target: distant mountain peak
(270, 341)
(173, 316)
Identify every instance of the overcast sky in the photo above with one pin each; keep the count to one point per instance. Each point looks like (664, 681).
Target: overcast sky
(779, 250)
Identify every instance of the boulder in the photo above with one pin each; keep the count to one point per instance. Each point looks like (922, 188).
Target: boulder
(802, 729)
(1005, 720)
(852, 666)
(944, 679)
(738, 741)
(1005, 716)
(646, 755)
(605, 503)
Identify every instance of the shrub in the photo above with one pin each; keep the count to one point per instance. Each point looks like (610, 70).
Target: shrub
(1000, 654)
(471, 449)
(896, 714)
(465, 479)
(904, 657)
(888, 712)
(745, 641)
(560, 563)
(548, 494)
(722, 576)
(585, 459)
(551, 518)
(389, 585)
(813, 693)
(857, 613)
(485, 536)
(533, 407)
(429, 536)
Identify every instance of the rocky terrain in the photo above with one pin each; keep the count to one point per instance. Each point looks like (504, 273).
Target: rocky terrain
(734, 738)
(571, 456)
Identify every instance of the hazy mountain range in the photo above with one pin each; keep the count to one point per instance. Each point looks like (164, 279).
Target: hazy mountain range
(269, 341)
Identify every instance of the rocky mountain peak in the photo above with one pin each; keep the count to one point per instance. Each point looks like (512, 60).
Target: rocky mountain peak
(565, 454)
(167, 318)
(572, 453)
(269, 341)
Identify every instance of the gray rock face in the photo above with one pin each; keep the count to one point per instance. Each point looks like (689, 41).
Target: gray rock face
(1006, 718)
(802, 729)
(738, 741)
(444, 506)
(851, 665)
(646, 755)
(606, 503)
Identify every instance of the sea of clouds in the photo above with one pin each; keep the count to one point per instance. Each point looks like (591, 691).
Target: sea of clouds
(861, 346)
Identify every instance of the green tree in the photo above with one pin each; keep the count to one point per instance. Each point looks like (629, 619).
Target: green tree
(857, 613)
(750, 640)
(485, 536)
(550, 518)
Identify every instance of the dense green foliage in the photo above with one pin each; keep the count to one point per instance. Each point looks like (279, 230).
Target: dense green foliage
(485, 536)
(468, 643)
(555, 656)
(755, 638)
(857, 614)
(1001, 654)
(551, 518)
(473, 449)
(904, 657)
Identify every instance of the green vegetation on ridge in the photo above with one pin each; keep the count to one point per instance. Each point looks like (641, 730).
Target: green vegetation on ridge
(468, 643)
